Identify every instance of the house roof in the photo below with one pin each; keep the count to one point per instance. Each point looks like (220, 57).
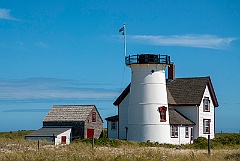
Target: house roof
(182, 91)
(112, 118)
(176, 118)
(189, 91)
(69, 113)
(48, 131)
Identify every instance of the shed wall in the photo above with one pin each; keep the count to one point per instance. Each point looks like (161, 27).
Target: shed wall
(112, 134)
(123, 117)
(77, 127)
(58, 139)
(97, 126)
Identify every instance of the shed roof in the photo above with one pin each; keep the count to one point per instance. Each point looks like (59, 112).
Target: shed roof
(182, 91)
(112, 118)
(176, 118)
(69, 113)
(48, 131)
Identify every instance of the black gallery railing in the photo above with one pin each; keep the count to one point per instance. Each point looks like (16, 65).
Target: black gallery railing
(147, 59)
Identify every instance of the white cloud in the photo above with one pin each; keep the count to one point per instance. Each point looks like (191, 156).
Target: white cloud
(5, 14)
(42, 45)
(46, 89)
(198, 41)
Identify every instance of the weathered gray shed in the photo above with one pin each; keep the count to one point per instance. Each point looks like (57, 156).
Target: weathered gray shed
(85, 120)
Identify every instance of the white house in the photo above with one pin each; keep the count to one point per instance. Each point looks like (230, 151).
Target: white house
(173, 110)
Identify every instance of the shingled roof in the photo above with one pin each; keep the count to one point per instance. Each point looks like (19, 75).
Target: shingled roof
(176, 118)
(112, 118)
(182, 91)
(69, 113)
(189, 91)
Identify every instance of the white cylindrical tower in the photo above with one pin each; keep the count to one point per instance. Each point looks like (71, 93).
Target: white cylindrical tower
(148, 117)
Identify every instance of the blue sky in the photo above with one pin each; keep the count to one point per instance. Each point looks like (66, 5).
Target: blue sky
(70, 52)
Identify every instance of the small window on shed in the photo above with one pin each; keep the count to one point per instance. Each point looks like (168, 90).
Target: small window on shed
(94, 116)
(113, 125)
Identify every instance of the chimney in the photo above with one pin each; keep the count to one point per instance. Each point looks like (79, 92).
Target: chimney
(171, 72)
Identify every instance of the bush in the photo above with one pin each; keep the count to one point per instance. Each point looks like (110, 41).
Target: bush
(228, 139)
(201, 143)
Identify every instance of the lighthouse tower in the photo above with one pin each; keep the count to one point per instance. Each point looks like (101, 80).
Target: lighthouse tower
(148, 114)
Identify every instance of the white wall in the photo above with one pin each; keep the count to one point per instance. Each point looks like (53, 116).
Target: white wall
(190, 112)
(123, 117)
(197, 115)
(148, 93)
(112, 134)
(206, 115)
(59, 137)
(181, 139)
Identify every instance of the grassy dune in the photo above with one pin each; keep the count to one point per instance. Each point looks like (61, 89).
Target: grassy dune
(14, 147)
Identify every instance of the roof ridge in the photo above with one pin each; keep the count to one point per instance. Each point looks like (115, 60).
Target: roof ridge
(193, 77)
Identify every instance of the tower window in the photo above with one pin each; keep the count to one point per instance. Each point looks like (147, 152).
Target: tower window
(162, 111)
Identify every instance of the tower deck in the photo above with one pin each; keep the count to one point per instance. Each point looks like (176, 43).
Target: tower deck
(147, 59)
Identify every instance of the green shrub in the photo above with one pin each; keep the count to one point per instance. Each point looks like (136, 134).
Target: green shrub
(200, 143)
(228, 139)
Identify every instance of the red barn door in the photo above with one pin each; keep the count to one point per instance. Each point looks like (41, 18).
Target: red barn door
(90, 133)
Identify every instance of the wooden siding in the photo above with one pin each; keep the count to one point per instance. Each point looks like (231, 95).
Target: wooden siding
(123, 120)
(77, 127)
(190, 112)
(207, 115)
(97, 126)
(181, 139)
(112, 134)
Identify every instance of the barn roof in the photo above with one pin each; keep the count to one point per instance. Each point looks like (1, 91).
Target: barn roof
(48, 131)
(182, 91)
(69, 113)
(176, 118)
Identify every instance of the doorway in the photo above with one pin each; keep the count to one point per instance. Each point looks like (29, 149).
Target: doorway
(191, 137)
(63, 140)
(90, 133)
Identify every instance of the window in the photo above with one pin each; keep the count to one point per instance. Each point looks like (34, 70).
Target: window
(186, 132)
(174, 131)
(206, 104)
(206, 126)
(162, 110)
(93, 116)
(113, 125)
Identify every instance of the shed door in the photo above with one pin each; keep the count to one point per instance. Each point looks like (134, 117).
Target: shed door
(90, 133)
(64, 138)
